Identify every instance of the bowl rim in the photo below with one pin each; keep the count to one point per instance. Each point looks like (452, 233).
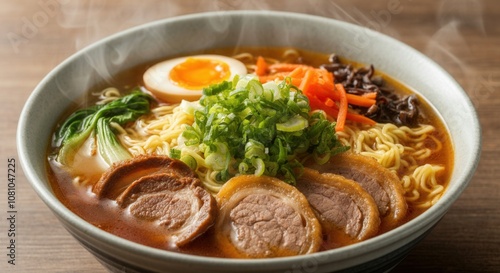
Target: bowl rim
(61, 211)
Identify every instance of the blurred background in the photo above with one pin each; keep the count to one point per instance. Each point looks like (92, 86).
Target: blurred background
(463, 36)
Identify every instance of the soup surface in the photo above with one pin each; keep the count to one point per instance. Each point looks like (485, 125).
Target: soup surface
(386, 122)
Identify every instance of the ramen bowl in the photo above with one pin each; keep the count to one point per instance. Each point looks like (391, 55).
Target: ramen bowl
(70, 81)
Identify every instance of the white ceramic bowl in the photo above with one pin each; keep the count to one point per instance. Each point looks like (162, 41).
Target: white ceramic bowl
(69, 81)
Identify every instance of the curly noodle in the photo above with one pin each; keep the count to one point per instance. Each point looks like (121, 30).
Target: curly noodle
(402, 150)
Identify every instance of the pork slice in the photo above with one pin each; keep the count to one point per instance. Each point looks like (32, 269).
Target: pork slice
(263, 217)
(382, 184)
(182, 207)
(341, 203)
(117, 178)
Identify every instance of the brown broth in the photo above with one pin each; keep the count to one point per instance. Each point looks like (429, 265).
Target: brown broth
(106, 215)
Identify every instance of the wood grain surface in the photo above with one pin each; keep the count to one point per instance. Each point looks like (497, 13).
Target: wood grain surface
(463, 36)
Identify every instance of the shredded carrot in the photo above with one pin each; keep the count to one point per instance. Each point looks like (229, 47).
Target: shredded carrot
(309, 78)
(315, 103)
(287, 67)
(360, 118)
(262, 66)
(296, 81)
(298, 72)
(330, 103)
(333, 112)
(326, 78)
(325, 91)
(319, 86)
(360, 100)
(371, 95)
(342, 108)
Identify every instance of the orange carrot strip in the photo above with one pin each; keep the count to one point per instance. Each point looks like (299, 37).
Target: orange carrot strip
(342, 108)
(316, 104)
(297, 72)
(359, 100)
(329, 102)
(326, 77)
(360, 119)
(285, 67)
(371, 95)
(332, 112)
(309, 78)
(323, 92)
(326, 91)
(296, 81)
(261, 66)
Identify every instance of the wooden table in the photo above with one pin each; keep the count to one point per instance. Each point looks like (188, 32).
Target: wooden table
(462, 35)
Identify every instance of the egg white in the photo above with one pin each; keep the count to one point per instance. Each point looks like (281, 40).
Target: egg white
(157, 80)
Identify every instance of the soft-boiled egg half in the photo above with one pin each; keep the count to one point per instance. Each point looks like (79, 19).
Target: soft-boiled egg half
(185, 77)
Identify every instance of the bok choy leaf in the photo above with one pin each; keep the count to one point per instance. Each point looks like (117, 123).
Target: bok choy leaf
(97, 120)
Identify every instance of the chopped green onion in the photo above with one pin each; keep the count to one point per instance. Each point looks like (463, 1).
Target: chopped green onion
(190, 161)
(245, 127)
(175, 153)
(294, 124)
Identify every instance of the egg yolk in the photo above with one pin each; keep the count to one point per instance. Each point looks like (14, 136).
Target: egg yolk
(197, 73)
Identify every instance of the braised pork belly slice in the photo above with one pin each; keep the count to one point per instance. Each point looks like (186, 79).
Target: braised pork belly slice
(179, 205)
(121, 175)
(263, 217)
(382, 184)
(346, 211)
(162, 192)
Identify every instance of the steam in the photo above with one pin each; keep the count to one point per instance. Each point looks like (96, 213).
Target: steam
(462, 12)
(93, 19)
(447, 45)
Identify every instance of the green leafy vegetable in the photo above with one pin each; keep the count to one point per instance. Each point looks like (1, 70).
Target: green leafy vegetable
(96, 120)
(251, 128)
